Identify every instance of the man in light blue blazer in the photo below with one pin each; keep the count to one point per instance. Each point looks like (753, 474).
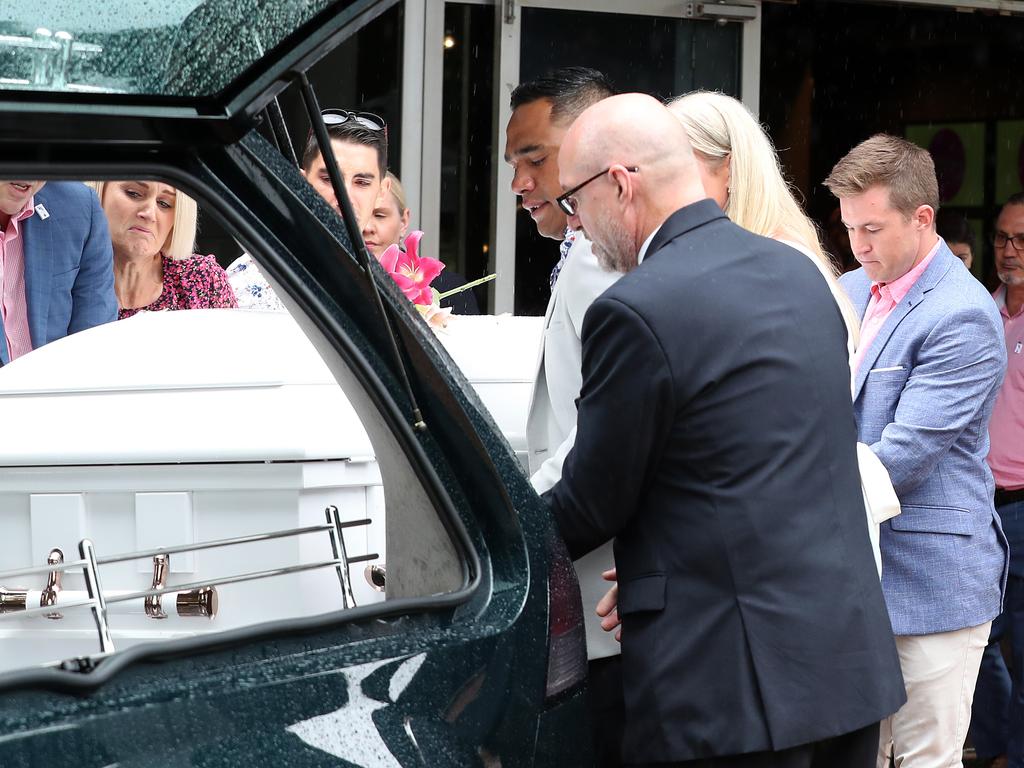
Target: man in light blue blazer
(67, 260)
(925, 378)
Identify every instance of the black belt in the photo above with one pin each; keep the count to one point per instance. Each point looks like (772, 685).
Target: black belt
(1004, 496)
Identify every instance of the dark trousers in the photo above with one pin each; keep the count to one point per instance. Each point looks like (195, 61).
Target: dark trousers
(858, 749)
(997, 721)
(607, 709)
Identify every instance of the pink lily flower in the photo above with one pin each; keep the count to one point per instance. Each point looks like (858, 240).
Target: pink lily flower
(413, 273)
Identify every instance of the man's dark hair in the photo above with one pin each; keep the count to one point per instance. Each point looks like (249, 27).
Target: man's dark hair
(1017, 198)
(569, 89)
(953, 228)
(354, 133)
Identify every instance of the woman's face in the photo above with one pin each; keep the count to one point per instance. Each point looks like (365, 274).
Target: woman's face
(714, 174)
(140, 215)
(386, 227)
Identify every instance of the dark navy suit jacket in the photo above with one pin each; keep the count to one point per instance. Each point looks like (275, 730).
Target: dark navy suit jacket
(69, 264)
(716, 445)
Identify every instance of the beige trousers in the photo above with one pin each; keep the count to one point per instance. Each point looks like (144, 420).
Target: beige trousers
(939, 671)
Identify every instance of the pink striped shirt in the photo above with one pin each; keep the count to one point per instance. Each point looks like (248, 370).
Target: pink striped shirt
(13, 302)
(1006, 428)
(885, 297)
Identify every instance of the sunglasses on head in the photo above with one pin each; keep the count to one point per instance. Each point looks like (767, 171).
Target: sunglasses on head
(365, 119)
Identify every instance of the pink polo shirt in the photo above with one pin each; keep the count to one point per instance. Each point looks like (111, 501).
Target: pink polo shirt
(1006, 429)
(885, 297)
(13, 302)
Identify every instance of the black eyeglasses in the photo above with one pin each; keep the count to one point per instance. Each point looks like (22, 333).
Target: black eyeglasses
(1000, 239)
(366, 119)
(567, 202)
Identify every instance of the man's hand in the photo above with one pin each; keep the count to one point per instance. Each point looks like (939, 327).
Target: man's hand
(607, 606)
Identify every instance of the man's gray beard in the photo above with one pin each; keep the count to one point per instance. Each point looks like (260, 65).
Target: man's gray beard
(619, 254)
(1007, 278)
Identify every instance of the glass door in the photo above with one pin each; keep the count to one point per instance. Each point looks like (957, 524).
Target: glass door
(661, 47)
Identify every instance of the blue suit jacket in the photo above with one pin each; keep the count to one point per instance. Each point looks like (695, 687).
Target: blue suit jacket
(923, 395)
(69, 265)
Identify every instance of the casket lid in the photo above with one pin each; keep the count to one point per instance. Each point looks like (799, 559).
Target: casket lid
(248, 384)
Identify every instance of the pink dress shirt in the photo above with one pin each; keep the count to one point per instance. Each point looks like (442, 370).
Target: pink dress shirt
(1006, 429)
(13, 303)
(885, 297)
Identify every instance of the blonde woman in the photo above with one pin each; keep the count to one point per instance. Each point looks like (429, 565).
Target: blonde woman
(740, 171)
(388, 226)
(153, 230)
(389, 222)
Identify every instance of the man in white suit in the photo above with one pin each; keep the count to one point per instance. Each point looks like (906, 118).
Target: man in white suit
(542, 111)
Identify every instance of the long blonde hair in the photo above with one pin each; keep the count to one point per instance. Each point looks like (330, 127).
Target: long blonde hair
(181, 240)
(719, 128)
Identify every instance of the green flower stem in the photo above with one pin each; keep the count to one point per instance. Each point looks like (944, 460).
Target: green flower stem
(466, 287)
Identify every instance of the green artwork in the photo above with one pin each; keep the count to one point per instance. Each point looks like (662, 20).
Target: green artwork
(959, 153)
(1009, 159)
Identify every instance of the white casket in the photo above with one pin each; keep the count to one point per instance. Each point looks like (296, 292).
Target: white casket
(179, 431)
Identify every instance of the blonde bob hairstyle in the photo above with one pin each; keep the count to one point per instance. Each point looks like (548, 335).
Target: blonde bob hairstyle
(181, 240)
(720, 128)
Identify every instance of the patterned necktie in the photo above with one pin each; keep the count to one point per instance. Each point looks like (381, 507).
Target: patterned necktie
(570, 238)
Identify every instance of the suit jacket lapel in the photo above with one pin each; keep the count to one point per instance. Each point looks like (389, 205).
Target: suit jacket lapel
(860, 296)
(538, 368)
(38, 250)
(543, 331)
(935, 272)
(911, 300)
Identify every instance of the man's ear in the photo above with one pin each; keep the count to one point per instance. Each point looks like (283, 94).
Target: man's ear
(925, 216)
(623, 181)
(385, 187)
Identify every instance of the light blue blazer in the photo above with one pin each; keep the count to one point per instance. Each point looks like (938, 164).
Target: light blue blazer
(69, 264)
(923, 395)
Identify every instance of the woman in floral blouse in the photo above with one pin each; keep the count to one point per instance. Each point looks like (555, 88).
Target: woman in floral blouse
(153, 228)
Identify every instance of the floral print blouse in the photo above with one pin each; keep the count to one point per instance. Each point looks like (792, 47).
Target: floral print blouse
(197, 282)
(251, 288)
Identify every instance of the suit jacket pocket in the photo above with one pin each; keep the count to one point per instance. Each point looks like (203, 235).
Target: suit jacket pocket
(643, 593)
(925, 519)
(887, 375)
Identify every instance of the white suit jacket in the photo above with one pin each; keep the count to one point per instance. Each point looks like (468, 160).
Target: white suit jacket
(551, 424)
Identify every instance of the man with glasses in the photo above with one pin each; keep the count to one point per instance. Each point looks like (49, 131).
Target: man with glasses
(997, 728)
(716, 446)
(542, 111)
(360, 144)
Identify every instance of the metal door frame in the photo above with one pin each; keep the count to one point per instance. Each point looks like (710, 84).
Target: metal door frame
(422, 95)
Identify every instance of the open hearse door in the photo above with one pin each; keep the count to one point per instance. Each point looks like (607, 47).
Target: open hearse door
(233, 537)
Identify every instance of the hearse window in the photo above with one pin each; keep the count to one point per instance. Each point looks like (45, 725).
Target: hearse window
(182, 473)
(177, 48)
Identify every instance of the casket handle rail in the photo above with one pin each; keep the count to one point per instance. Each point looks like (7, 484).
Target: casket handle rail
(154, 608)
(193, 599)
(53, 583)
